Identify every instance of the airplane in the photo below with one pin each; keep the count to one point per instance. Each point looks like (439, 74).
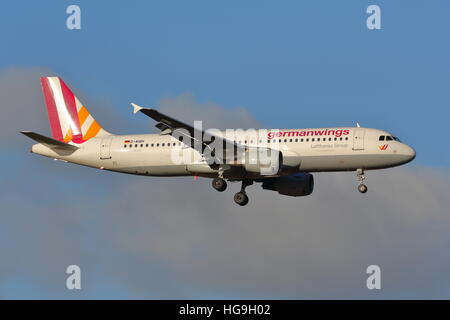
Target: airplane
(282, 160)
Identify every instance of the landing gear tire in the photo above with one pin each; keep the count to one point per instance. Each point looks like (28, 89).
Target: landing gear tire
(241, 198)
(360, 177)
(219, 184)
(362, 188)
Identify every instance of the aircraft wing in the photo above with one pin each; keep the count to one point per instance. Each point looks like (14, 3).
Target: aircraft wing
(196, 138)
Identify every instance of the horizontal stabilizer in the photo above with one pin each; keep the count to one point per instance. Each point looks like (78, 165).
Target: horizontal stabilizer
(49, 142)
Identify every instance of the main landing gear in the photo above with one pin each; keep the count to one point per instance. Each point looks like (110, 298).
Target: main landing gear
(241, 197)
(360, 178)
(219, 184)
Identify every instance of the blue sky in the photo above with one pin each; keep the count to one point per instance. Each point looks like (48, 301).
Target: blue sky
(290, 64)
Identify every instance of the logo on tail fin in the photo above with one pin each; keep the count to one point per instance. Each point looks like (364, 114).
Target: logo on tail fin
(69, 119)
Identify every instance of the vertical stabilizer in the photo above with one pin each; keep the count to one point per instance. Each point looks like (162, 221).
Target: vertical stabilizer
(70, 121)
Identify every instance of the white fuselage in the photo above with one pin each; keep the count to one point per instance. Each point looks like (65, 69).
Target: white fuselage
(304, 150)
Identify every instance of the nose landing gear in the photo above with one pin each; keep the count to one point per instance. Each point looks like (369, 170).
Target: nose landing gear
(362, 188)
(360, 178)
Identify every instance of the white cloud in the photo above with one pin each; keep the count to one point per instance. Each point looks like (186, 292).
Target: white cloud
(187, 109)
(313, 247)
(173, 237)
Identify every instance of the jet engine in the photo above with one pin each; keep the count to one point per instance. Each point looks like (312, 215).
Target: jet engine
(296, 185)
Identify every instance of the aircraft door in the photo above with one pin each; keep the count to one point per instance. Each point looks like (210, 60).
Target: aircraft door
(105, 148)
(358, 139)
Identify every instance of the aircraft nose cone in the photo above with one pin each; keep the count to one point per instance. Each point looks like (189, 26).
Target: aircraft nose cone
(410, 153)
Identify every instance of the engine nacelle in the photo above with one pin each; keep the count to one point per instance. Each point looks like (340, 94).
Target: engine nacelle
(297, 185)
(264, 161)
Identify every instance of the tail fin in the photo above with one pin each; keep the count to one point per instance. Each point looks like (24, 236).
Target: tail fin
(69, 119)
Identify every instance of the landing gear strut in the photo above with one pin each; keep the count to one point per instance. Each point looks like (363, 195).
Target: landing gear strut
(360, 178)
(241, 197)
(219, 184)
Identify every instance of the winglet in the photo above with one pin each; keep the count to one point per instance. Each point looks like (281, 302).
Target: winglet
(136, 108)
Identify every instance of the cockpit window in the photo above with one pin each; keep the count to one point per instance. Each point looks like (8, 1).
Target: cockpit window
(388, 138)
